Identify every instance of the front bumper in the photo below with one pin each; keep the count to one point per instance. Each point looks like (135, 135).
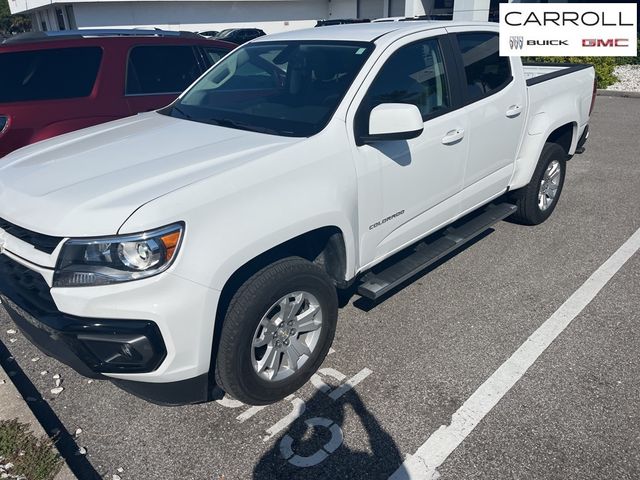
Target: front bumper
(90, 346)
(94, 347)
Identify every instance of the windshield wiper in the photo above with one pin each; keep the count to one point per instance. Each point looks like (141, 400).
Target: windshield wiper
(182, 112)
(227, 122)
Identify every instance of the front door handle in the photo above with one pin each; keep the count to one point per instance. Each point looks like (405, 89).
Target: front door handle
(514, 111)
(454, 136)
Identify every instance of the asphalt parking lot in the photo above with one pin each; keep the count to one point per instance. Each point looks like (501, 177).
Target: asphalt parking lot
(409, 363)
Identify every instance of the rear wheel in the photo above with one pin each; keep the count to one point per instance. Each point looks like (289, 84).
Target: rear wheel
(537, 201)
(276, 332)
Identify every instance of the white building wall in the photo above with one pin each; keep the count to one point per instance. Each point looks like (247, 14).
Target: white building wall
(474, 10)
(415, 8)
(343, 9)
(196, 15)
(272, 16)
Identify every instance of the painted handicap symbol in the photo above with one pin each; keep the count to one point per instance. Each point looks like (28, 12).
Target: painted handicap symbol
(286, 444)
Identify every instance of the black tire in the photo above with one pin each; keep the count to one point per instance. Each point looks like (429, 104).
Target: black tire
(235, 373)
(526, 198)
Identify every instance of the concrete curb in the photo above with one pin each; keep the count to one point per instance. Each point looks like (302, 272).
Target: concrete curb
(618, 93)
(14, 406)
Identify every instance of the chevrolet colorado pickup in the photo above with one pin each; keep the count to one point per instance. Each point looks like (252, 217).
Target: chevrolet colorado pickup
(206, 243)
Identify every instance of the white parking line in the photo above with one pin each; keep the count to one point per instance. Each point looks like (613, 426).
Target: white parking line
(317, 381)
(349, 384)
(246, 415)
(431, 454)
(298, 409)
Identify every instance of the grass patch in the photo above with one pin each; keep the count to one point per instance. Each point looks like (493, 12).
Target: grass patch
(33, 458)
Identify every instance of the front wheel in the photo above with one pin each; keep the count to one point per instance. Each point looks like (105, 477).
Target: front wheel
(537, 201)
(277, 331)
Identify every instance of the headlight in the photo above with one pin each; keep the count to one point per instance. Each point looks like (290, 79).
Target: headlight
(108, 260)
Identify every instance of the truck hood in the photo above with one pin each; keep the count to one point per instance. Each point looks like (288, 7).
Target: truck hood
(89, 182)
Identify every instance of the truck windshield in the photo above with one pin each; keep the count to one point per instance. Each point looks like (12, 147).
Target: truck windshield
(288, 88)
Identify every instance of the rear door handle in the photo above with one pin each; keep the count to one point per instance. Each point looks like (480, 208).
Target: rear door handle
(514, 111)
(453, 136)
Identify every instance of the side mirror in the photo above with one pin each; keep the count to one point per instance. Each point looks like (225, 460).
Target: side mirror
(394, 121)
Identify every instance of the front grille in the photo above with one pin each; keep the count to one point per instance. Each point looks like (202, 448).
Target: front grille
(44, 243)
(25, 287)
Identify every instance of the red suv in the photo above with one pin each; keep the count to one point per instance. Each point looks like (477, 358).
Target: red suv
(56, 82)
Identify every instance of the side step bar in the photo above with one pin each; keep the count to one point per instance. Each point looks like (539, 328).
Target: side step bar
(433, 248)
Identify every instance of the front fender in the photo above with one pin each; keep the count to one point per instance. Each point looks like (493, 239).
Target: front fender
(234, 217)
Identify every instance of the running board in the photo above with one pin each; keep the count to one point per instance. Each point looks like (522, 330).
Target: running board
(432, 249)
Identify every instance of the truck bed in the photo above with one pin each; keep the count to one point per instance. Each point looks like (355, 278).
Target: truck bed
(536, 73)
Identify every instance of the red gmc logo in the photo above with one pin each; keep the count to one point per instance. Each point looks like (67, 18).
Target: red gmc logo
(601, 42)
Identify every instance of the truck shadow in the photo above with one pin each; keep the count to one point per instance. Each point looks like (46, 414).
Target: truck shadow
(397, 151)
(312, 447)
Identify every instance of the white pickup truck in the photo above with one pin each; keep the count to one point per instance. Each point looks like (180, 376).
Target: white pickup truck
(206, 243)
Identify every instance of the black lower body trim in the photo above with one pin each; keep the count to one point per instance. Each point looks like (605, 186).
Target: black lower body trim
(583, 139)
(47, 342)
(183, 392)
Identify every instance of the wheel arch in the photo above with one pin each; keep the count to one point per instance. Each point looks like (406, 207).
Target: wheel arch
(565, 136)
(325, 246)
(564, 133)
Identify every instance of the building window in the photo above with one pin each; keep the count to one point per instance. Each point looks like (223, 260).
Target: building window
(60, 19)
(494, 10)
(443, 4)
(71, 18)
(41, 21)
(442, 10)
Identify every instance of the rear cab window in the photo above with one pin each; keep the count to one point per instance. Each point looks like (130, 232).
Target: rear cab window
(48, 74)
(485, 70)
(161, 69)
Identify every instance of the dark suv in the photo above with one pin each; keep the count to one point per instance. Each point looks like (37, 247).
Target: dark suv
(57, 82)
(239, 35)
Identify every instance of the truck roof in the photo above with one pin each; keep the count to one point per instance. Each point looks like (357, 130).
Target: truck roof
(368, 32)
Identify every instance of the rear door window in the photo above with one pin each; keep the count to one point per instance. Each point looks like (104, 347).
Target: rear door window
(485, 70)
(161, 69)
(48, 74)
